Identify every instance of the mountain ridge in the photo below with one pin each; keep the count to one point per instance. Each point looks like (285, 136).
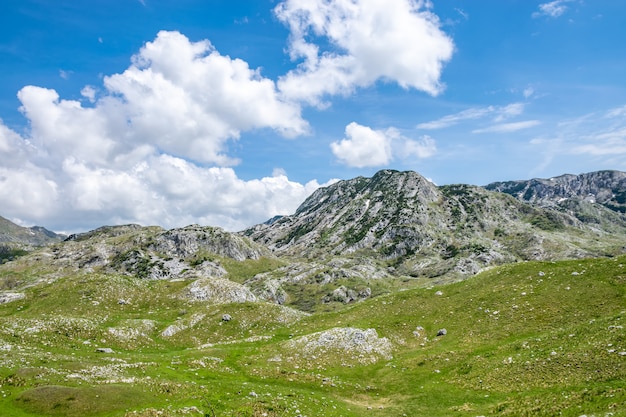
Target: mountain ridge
(402, 218)
(607, 187)
(11, 233)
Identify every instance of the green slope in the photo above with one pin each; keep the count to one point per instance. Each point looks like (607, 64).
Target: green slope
(528, 339)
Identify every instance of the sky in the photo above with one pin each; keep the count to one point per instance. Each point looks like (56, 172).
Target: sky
(229, 112)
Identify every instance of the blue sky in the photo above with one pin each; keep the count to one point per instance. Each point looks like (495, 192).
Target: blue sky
(227, 113)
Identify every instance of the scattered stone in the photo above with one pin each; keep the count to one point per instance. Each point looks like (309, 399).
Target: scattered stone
(253, 394)
(7, 297)
(104, 350)
(442, 332)
(439, 293)
(418, 332)
(171, 330)
(541, 273)
(226, 317)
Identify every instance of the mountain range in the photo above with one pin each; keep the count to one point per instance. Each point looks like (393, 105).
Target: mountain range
(387, 295)
(367, 236)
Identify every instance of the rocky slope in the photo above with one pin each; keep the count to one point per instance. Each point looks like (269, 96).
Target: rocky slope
(406, 222)
(18, 236)
(354, 240)
(606, 188)
(152, 253)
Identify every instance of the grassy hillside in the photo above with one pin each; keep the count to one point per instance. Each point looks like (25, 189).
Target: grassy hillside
(529, 339)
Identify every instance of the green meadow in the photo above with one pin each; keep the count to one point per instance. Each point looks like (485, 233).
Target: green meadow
(526, 339)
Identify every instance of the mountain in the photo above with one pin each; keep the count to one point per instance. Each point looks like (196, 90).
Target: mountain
(345, 308)
(17, 240)
(13, 234)
(152, 253)
(606, 188)
(414, 228)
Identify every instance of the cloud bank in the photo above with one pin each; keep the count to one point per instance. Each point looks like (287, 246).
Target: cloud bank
(135, 151)
(151, 145)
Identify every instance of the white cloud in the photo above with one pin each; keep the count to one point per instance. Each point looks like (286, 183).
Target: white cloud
(508, 127)
(141, 149)
(552, 9)
(499, 112)
(366, 147)
(425, 147)
(369, 40)
(182, 98)
(617, 112)
(9, 140)
(147, 189)
(597, 137)
(509, 111)
(89, 93)
(452, 119)
(189, 99)
(528, 92)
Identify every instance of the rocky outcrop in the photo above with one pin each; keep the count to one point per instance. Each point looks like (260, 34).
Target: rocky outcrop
(154, 253)
(346, 344)
(218, 291)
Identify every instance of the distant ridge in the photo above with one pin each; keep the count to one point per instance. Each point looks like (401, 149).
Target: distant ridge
(14, 235)
(607, 188)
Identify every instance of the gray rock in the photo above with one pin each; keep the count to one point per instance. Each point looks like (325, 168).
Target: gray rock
(442, 332)
(104, 350)
(218, 291)
(226, 317)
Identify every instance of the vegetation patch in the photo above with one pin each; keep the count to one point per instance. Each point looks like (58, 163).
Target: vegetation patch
(54, 400)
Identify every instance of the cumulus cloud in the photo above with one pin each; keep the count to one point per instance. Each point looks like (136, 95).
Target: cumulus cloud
(508, 127)
(189, 99)
(363, 147)
(366, 147)
(369, 40)
(149, 147)
(552, 9)
(499, 113)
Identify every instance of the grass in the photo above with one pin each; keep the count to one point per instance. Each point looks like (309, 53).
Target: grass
(529, 339)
